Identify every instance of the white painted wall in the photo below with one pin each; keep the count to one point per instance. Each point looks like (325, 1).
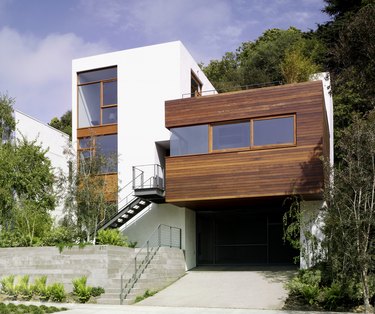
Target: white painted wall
(48, 138)
(147, 77)
(312, 224)
(328, 103)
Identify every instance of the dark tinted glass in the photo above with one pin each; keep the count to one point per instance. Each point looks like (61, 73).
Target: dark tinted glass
(97, 75)
(234, 135)
(274, 131)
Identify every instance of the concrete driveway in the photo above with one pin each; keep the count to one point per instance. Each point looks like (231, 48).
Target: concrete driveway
(227, 287)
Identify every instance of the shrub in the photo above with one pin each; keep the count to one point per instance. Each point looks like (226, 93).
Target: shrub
(97, 291)
(57, 292)
(147, 294)
(81, 290)
(7, 285)
(40, 289)
(22, 288)
(111, 237)
(306, 284)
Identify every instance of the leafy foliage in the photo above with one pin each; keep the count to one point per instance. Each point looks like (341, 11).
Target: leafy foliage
(81, 290)
(57, 292)
(111, 237)
(64, 124)
(7, 123)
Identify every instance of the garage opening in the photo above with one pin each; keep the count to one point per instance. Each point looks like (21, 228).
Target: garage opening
(242, 237)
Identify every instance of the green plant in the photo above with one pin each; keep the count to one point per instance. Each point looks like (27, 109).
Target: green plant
(81, 290)
(11, 308)
(111, 237)
(7, 285)
(57, 292)
(40, 289)
(147, 294)
(22, 288)
(306, 285)
(97, 291)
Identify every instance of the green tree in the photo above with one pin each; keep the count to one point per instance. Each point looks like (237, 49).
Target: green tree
(86, 203)
(261, 61)
(296, 67)
(349, 217)
(7, 123)
(64, 124)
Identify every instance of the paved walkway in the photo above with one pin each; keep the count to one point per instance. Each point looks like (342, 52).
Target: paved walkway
(132, 309)
(227, 287)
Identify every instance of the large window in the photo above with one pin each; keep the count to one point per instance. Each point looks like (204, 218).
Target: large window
(189, 140)
(97, 97)
(273, 131)
(237, 135)
(98, 154)
(229, 136)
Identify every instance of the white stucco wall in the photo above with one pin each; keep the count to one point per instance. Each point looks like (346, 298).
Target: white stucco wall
(147, 77)
(54, 141)
(311, 230)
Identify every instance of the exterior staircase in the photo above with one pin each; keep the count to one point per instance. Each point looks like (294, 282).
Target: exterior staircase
(156, 265)
(143, 192)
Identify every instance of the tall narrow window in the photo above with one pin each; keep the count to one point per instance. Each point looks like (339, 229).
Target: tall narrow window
(97, 97)
(196, 86)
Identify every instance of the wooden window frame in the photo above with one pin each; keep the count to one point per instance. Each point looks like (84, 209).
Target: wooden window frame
(211, 137)
(270, 146)
(92, 149)
(102, 106)
(194, 77)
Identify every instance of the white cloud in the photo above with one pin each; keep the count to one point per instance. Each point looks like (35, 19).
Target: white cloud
(37, 71)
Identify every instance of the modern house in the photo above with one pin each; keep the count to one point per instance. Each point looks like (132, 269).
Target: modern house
(217, 166)
(50, 139)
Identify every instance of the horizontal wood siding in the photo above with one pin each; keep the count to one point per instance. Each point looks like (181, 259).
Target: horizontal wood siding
(253, 172)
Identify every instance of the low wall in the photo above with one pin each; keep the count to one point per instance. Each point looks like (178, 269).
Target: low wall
(99, 263)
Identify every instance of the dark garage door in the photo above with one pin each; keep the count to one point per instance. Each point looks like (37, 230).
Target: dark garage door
(242, 237)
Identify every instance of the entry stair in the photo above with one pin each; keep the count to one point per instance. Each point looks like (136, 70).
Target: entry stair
(158, 263)
(142, 193)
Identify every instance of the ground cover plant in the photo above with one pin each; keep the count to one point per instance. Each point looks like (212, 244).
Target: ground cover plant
(19, 288)
(11, 308)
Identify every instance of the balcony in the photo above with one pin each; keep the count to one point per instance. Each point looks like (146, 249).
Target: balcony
(148, 182)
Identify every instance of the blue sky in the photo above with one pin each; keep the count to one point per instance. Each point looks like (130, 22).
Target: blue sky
(39, 38)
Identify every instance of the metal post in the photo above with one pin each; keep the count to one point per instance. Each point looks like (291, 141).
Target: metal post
(135, 266)
(122, 290)
(180, 238)
(133, 170)
(159, 235)
(170, 236)
(148, 248)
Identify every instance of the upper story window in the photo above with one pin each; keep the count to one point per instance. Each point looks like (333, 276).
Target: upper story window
(273, 131)
(238, 135)
(189, 140)
(97, 97)
(196, 86)
(229, 136)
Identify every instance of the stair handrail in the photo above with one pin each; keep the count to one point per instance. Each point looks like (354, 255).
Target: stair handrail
(142, 264)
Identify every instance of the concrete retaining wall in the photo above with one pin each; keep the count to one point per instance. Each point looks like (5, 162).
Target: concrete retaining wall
(99, 263)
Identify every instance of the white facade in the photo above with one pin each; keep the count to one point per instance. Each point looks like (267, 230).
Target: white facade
(146, 78)
(50, 139)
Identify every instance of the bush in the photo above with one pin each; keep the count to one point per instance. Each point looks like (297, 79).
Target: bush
(306, 284)
(111, 237)
(57, 292)
(7, 285)
(40, 289)
(22, 288)
(80, 290)
(97, 291)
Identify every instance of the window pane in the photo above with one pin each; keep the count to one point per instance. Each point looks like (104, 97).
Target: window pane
(85, 142)
(231, 135)
(109, 115)
(189, 140)
(274, 131)
(110, 93)
(89, 105)
(106, 147)
(97, 75)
